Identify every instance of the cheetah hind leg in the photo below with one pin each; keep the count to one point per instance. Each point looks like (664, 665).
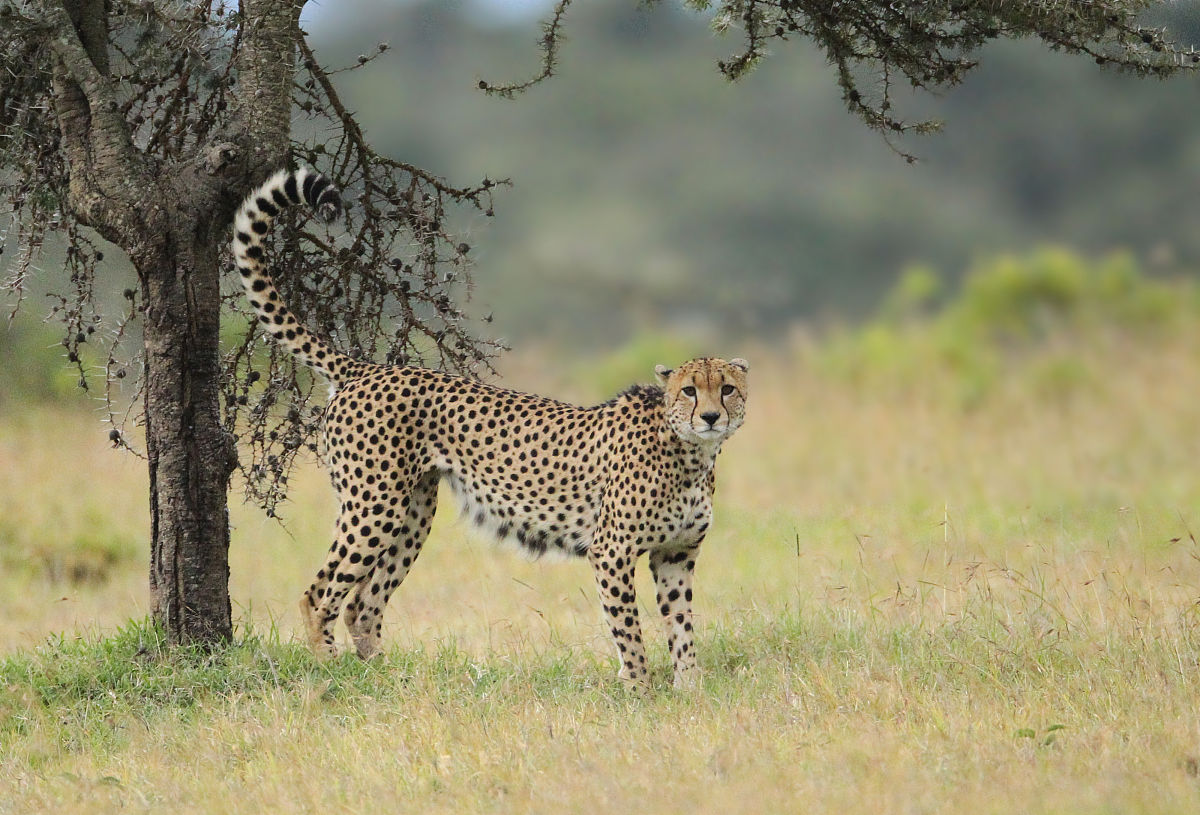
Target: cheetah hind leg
(314, 635)
(350, 615)
(319, 605)
(364, 612)
(321, 642)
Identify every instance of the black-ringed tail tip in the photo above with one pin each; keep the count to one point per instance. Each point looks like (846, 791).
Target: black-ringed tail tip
(250, 226)
(287, 188)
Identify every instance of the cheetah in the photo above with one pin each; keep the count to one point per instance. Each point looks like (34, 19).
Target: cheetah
(608, 483)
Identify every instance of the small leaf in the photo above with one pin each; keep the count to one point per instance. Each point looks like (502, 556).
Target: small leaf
(1026, 733)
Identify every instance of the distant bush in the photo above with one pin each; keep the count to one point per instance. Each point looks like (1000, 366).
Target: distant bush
(1055, 290)
(1043, 316)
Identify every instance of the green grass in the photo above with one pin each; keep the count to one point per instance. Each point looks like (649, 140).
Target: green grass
(800, 710)
(910, 601)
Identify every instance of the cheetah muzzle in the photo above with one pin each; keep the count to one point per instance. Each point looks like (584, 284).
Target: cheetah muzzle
(610, 483)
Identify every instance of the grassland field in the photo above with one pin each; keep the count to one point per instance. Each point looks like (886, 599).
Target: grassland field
(941, 582)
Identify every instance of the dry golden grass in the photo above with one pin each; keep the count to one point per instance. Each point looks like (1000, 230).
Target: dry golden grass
(909, 603)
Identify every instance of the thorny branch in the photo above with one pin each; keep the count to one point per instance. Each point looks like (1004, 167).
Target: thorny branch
(388, 286)
(552, 37)
(874, 47)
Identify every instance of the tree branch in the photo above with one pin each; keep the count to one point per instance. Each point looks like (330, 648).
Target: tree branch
(108, 175)
(267, 68)
(930, 46)
(552, 36)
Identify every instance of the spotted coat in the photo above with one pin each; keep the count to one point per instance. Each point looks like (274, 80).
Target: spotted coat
(610, 483)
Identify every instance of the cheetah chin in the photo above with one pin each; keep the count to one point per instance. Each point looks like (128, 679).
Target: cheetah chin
(608, 483)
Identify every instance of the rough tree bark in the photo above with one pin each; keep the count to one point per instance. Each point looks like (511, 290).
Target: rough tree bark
(171, 221)
(190, 455)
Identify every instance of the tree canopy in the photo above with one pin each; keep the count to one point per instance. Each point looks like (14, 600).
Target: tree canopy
(878, 47)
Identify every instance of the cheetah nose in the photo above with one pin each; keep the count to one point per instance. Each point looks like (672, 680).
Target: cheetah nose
(710, 417)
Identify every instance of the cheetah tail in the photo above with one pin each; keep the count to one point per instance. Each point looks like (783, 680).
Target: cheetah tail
(250, 226)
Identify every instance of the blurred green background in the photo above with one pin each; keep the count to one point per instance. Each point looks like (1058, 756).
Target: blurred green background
(650, 192)
(652, 197)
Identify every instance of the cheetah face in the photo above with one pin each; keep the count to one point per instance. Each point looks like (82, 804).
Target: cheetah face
(705, 399)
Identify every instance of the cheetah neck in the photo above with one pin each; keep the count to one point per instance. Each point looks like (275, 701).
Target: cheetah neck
(696, 457)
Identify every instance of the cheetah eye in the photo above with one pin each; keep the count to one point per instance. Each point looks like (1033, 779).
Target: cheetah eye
(689, 391)
(727, 389)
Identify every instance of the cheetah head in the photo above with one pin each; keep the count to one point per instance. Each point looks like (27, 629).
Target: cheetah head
(705, 399)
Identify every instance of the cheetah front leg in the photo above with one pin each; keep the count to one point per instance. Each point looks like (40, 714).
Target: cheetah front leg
(672, 571)
(612, 566)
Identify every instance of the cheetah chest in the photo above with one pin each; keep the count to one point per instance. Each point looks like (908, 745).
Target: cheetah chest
(681, 519)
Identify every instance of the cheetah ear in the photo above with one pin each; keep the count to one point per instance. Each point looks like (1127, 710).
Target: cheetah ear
(661, 372)
(740, 363)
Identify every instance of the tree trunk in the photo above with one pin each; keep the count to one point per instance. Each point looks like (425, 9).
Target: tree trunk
(190, 455)
(172, 219)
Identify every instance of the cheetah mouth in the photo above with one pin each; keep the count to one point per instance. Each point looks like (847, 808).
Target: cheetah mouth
(710, 432)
